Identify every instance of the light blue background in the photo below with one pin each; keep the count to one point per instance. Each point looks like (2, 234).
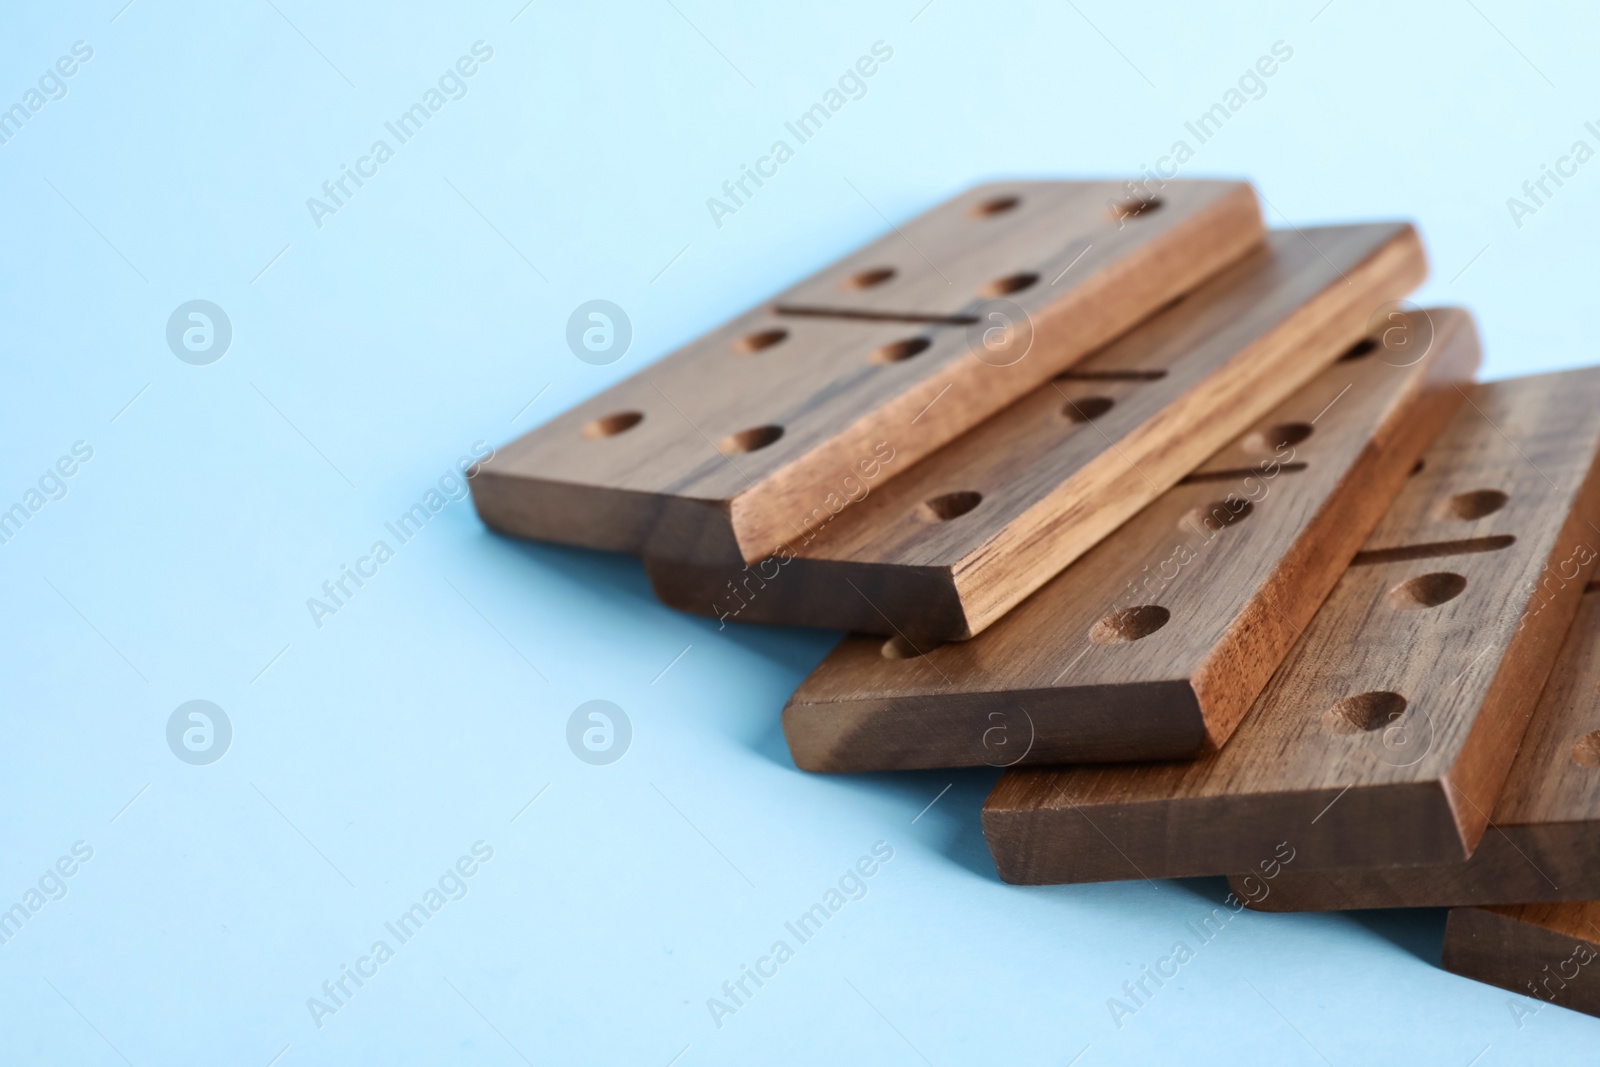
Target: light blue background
(370, 753)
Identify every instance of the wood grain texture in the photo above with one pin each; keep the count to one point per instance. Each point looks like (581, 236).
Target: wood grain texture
(714, 452)
(1550, 952)
(1544, 840)
(1387, 733)
(1039, 484)
(1238, 557)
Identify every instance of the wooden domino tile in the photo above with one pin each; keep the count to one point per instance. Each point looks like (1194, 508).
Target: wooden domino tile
(715, 451)
(1549, 952)
(1387, 733)
(952, 544)
(1543, 843)
(1155, 643)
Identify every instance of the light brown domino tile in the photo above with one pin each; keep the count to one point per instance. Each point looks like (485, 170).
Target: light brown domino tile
(1544, 841)
(950, 545)
(711, 452)
(1386, 734)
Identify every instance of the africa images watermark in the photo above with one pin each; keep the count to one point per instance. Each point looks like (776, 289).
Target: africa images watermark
(1205, 523)
(52, 85)
(599, 332)
(199, 332)
(1538, 191)
(1251, 85)
(52, 885)
(51, 486)
(1539, 986)
(452, 85)
(337, 592)
(599, 732)
(199, 732)
(853, 82)
(851, 490)
(1138, 990)
(337, 992)
(1552, 583)
(851, 886)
